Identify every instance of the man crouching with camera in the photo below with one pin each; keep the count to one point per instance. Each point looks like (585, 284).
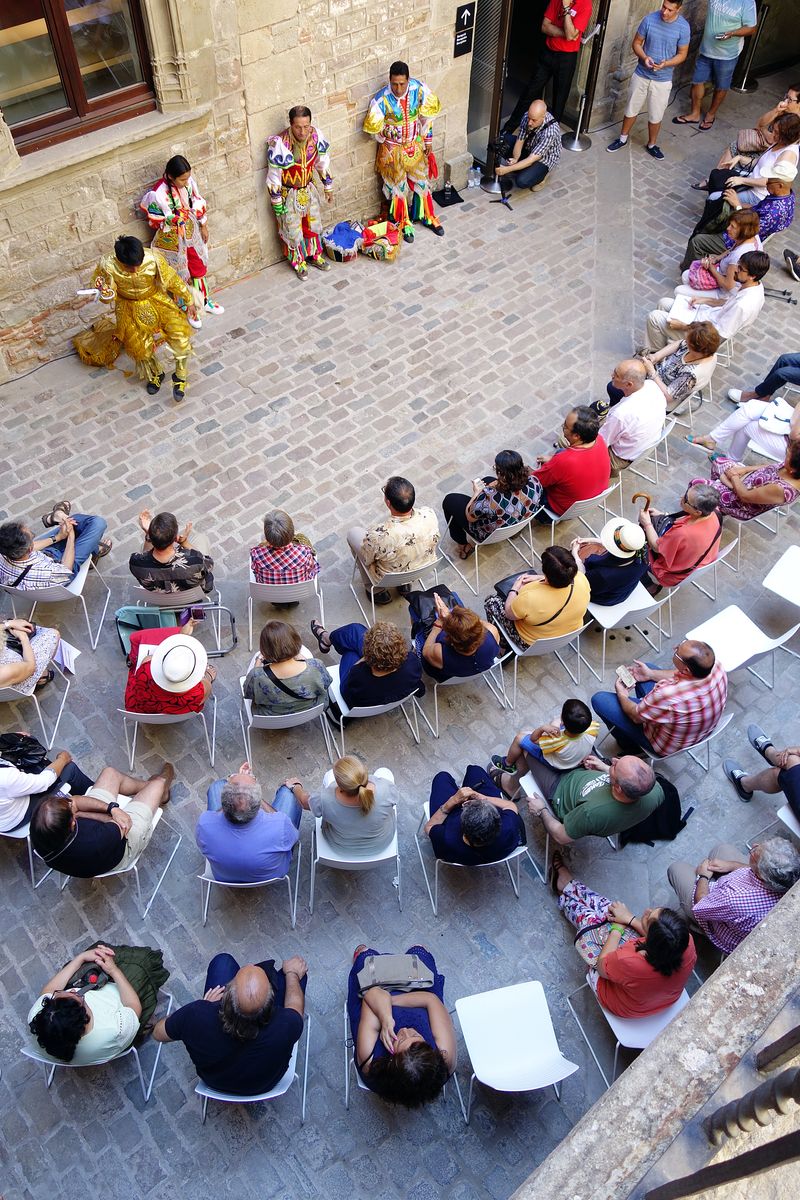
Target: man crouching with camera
(535, 150)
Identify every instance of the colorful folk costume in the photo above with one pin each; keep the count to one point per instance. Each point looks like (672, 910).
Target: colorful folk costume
(145, 314)
(178, 216)
(405, 161)
(293, 194)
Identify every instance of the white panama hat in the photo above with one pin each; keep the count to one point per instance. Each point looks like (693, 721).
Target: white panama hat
(178, 663)
(622, 538)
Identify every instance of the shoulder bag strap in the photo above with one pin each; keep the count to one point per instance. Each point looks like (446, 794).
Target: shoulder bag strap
(20, 578)
(280, 684)
(711, 544)
(563, 606)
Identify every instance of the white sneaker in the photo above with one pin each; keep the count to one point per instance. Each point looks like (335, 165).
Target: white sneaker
(735, 394)
(211, 306)
(195, 322)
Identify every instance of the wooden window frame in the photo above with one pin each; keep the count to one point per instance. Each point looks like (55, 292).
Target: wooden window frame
(81, 114)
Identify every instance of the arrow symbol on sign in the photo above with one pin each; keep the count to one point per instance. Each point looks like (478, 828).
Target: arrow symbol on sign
(465, 16)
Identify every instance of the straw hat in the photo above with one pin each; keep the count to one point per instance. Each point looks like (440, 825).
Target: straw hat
(785, 171)
(622, 538)
(178, 663)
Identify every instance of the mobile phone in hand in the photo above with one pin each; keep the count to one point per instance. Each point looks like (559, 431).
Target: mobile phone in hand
(624, 674)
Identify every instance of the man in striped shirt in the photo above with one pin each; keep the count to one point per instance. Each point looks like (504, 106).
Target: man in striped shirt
(675, 708)
(725, 897)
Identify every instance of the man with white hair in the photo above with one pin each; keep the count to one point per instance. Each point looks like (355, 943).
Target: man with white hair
(244, 838)
(635, 423)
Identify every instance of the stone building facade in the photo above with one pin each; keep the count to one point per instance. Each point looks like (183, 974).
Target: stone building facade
(225, 72)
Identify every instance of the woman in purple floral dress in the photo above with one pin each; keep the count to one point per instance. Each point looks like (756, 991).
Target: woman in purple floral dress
(747, 492)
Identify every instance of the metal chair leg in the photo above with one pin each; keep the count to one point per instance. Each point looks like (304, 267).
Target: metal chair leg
(424, 869)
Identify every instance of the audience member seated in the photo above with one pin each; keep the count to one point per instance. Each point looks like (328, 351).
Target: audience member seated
(283, 677)
(726, 896)
(240, 1036)
(781, 775)
(26, 778)
(244, 838)
(474, 823)
(747, 492)
(750, 185)
(563, 744)
(89, 835)
(456, 643)
(581, 470)
(357, 808)
(769, 424)
(404, 1045)
(644, 962)
(511, 495)
(284, 556)
(636, 421)
(378, 665)
(168, 671)
(613, 565)
(542, 606)
(53, 560)
(675, 708)
(169, 562)
(775, 213)
(596, 800)
(736, 312)
(26, 652)
(714, 275)
(785, 369)
(533, 153)
(679, 370)
(406, 541)
(682, 542)
(750, 143)
(78, 1023)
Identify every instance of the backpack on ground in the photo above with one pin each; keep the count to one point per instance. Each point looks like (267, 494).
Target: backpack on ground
(664, 824)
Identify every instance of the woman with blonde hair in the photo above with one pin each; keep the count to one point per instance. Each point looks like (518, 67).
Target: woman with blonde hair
(356, 807)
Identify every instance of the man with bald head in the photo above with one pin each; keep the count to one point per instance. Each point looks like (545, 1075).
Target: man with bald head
(245, 838)
(241, 1034)
(675, 708)
(636, 421)
(535, 151)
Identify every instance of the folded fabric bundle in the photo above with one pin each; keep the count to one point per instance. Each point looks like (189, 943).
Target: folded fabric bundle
(343, 242)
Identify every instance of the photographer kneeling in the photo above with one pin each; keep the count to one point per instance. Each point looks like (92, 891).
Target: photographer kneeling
(536, 150)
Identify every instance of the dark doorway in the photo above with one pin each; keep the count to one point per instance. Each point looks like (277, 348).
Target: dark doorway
(524, 45)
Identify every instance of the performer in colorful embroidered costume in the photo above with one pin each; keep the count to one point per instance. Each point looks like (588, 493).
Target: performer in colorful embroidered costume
(141, 285)
(399, 118)
(292, 158)
(178, 213)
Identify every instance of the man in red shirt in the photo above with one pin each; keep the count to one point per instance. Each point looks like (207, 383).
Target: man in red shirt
(582, 470)
(174, 678)
(690, 540)
(563, 25)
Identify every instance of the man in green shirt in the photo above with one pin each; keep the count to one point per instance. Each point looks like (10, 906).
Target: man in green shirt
(595, 800)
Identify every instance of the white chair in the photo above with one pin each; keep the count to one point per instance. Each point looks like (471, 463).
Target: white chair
(30, 1051)
(394, 580)
(514, 856)
(158, 817)
(511, 1042)
(11, 695)
(737, 641)
(712, 567)
(136, 719)
(24, 834)
(575, 511)
(280, 593)
(634, 1033)
(58, 593)
(280, 1088)
(495, 683)
(324, 854)
(551, 645)
(373, 710)
(194, 597)
(689, 407)
(504, 533)
(784, 816)
(207, 881)
(720, 727)
(650, 455)
(531, 788)
(639, 604)
(250, 720)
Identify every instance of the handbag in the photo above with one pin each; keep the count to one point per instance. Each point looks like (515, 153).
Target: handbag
(503, 588)
(13, 643)
(701, 278)
(23, 752)
(590, 940)
(88, 978)
(423, 609)
(395, 972)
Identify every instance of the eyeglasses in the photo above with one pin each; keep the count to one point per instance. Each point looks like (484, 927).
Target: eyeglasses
(679, 657)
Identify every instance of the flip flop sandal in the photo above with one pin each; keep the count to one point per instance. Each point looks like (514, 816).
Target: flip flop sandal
(466, 551)
(556, 863)
(683, 121)
(48, 677)
(103, 549)
(705, 125)
(320, 632)
(49, 521)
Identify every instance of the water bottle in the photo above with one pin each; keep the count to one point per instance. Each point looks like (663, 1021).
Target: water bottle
(448, 191)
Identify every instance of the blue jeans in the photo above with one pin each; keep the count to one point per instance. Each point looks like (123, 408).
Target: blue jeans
(88, 533)
(285, 801)
(784, 370)
(719, 69)
(628, 734)
(348, 642)
(223, 967)
(444, 786)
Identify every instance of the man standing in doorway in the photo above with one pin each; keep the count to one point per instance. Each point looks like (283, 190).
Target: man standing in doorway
(399, 117)
(661, 43)
(563, 25)
(728, 23)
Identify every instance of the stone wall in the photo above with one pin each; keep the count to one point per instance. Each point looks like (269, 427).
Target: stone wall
(225, 75)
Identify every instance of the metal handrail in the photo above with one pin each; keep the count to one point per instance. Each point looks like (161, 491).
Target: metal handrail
(757, 1107)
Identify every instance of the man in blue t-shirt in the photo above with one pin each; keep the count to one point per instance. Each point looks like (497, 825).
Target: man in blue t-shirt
(661, 44)
(472, 827)
(728, 23)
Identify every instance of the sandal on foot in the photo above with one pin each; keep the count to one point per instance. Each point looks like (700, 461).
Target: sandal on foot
(699, 187)
(697, 443)
(359, 950)
(556, 864)
(321, 634)
(466, 551)
(103, 549)
(49, 519)
(684, 121)
(47, 677)
(705, 125)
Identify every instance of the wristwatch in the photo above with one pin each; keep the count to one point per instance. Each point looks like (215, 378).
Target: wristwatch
(110, 807)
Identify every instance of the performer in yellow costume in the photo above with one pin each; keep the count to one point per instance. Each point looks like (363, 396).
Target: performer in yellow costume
(399, 118)
(141, 284)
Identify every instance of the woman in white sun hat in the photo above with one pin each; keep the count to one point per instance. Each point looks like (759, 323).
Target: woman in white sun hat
(614, 564)
(169, 672)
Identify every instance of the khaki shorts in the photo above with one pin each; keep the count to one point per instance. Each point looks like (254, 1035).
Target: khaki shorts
(650, 92)
(141, 829)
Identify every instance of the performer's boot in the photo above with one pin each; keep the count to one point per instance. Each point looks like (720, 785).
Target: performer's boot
(179, 383)
(320, 262)
(155, 375)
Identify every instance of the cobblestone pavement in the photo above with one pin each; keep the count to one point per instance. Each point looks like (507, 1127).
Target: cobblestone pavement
(308, 396)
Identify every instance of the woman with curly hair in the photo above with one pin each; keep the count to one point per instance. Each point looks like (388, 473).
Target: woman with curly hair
(505, 498)
(378, 665)
(404, 1045)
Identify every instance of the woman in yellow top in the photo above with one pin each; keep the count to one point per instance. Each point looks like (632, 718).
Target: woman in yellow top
(542, 606)
(142, 285)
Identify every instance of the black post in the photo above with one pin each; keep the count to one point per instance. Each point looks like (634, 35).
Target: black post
(746, 84)
(579, 140)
